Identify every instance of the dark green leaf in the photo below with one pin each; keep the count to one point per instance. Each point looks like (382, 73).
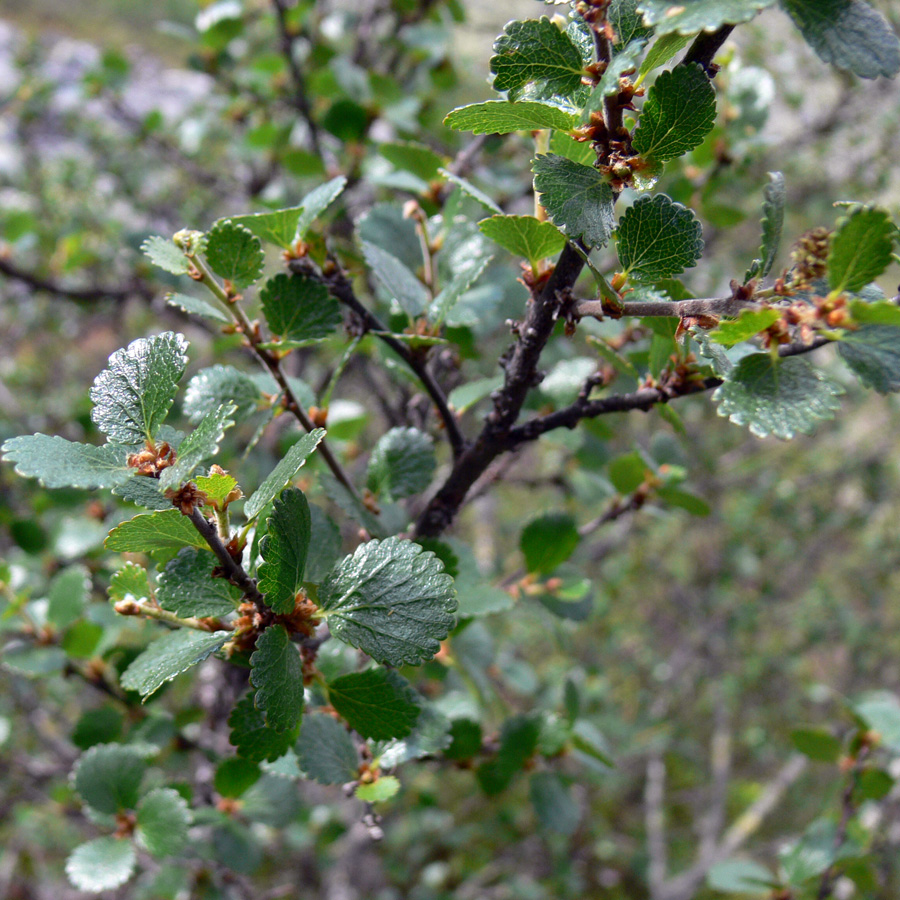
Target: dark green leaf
(503, 117)
(576, 198)
(548, 541)
(860, 248)
(317, 201)
(689, 16)
(518, 742)
(108, 778)
(166, 530)
(102, 864)
(553, 803)
(234, 775)
(166, 255)
(658, 238)
(163, 819)
(780, 397)
(401, 464)
(277, 675)
(217, 385)
(200, 444)
(536, 51)
(169, 656)
(399, 282)
(524, 236)
(235, 253)
(873, 353)
(186, 586)
(132, 397)
(298, 308)
(391, 600)
(774, 196)
(817, 744)
(68, 594)
(466, 739)
(97, 726)
(197, 307)
(627, 23)
(253, 738)
(324, 545)
(661, 51)
(377, 703)
(284, 550)
(848, 34)
(625, 61)
(417, 159)
(56, 462)
(678, 113)
(326, 751)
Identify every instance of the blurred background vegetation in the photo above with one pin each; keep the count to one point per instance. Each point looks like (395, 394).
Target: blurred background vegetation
(708, 640)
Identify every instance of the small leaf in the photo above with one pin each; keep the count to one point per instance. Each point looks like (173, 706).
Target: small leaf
(778, 397)
(849, 34)
(524, 236)
(518, 742)
(253, 738)
(235, 253)
(576, 198)
(67, 596)
(217, 487)
(166, 255)
(401, 464)
(197, 307)
(378, 791)
(278, 227)
(277, 674)
(536, 51)
(166, 530)
(467, 395)
(186, 586)
(466, 738)
(548, 541)
(470, 190)
(299, 309)
(391, 600)
(628, 472)
(627, 23)
(169, 656)
(108, 778)
(283, 472)
(625, 61)
(399, 282)
(817, 744)
(774, 196)
(741, 876)
(860, 248)
(101, 864)
(873, 353)
(326, 751)
(130, 582)
(377, 703)
(553, 803)
(56, 462)
(132, 397)
(747, 325)
(880, 710)
(235, 775)
(658, 238)
(324, 546)
(211, 388)
(199, 445)
(317, 201)
(163, 818)
(661, 51)
(284, 550)
(503, 117)
(678, 113)
(879, 312)
(690, 16)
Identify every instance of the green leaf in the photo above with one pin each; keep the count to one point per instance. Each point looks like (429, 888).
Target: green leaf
(108, 778)
(326, 751)
(283, 472)
(169, 656)
(467, 395)
(401, 464)
(524, 236)
(298, 308)
(503, 117)
(378, 791)
(67, 596)
(399, 282)
(212, 387)
(466, 738)
(627, 23)
(163, 818)
(101, 864)
(253, 738)
(143, 490)
(817, 744)
(879, 312)
(277, 674)
(324, 546)
(578, 151)
(151, 532)
(317, 201)
(661, 51)
(132, 397)
(860, 248)
(470, 190)
(678, 113)
(675, 497)
(657, 238)
(625, 61)
(576, 198)
(418, 159)
(741, 876)
(97, 726)
(880, 710)
(278, 227)
(186, 586)
(689, 16)
(873, 353)
(548, 541)
(779, 397)
(391, 600)
(190, 304)
(553, 803)
(628, 472)
(235, 775)
(130, 582)
(377, 703)
(284, 550)
(518, 742)
(199, 445)
(774, 196)
(217, 487)
(848, 34)
(536, 51)
(56, 462)
(166, 254)
(747, 325)
(235, 253)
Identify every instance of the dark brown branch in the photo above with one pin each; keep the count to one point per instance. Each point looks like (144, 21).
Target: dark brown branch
(706, 46)
(135, 288)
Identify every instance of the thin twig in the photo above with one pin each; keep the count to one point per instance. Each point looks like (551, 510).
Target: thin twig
(135, 288)
(717, 306)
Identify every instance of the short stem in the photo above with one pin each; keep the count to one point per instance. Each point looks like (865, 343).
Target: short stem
(155, 612)
(224, 524)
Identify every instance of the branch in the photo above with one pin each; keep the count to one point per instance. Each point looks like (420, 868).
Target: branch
(705, 47)
(136, 287)
(721, 306)
(342, 290)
